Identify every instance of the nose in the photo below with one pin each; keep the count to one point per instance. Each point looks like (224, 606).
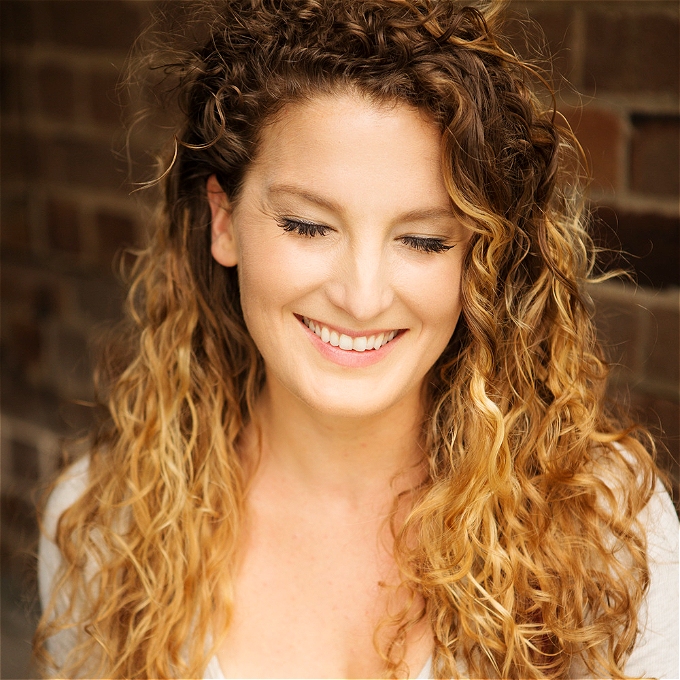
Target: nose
(361, 284)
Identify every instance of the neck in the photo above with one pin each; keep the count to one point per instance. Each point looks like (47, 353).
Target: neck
(357, 461)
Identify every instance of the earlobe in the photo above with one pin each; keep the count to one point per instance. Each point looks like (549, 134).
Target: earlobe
(223, 246)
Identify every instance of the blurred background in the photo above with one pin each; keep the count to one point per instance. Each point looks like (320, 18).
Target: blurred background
(67, 210)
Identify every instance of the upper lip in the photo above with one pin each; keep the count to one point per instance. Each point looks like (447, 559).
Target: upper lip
(348, 331)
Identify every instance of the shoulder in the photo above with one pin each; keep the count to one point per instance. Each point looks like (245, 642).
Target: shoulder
(656, 651)
(661, 525)
(658, 518)
(69, 488)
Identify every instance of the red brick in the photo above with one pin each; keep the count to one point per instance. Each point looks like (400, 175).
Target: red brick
(16, 22)
(631, 50)
(7, 286)
(599, 133)
(618, 331)
(63, 226)
(25, 462)
(655, 155)
(56, 92)
(662, 417)
(100, 299)
(74, 366)
(15, 225)
(547, 35)
(650, 243)
(24, 292)
(19, 514)
(663, 354)
(10, 86)
(93, 24)
(45, 301)
(80, 162)
(104, 100)
(25, 343)
(15, 286)
(18, 156)
(115, 232)
(28, 403)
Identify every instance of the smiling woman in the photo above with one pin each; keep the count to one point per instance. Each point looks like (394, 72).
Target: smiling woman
(343, 218)
(355, 424)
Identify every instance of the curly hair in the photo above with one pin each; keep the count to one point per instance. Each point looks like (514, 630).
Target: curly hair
(523, 542)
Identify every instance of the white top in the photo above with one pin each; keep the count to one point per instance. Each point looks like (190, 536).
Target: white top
(655, 655)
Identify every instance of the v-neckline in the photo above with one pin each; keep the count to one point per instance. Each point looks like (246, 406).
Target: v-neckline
(213, 670)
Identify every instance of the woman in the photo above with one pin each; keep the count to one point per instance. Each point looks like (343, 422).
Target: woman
(358, 428)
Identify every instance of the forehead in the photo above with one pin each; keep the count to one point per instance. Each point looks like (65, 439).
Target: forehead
(360, 152)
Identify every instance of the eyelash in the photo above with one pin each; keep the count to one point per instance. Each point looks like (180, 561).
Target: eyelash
(310, 230)
(426, 244)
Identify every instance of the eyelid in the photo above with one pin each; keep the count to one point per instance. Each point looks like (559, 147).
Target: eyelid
(303, 227)
(427, 244)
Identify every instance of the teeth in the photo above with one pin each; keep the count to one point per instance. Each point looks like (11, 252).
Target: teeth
(359, 344)
(345, 342)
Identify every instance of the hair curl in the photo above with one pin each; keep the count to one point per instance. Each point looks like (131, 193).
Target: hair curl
(523, 542)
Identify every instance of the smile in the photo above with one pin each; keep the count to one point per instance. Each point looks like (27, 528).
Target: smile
(359, 343)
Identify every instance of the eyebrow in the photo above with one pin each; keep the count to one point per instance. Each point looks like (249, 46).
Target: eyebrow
(418, 214)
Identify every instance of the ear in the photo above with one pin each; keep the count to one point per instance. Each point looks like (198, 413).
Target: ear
(223, 246)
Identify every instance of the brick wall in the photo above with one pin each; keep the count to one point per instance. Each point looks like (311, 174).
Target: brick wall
(65, 211)
(621, 60)
(617, 69)
(66, 208)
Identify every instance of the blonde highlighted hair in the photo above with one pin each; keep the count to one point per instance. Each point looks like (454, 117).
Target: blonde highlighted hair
(523, 542)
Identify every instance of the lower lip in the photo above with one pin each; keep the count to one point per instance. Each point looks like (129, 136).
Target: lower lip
(350, 358)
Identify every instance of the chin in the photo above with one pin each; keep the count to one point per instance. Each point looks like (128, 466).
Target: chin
(354, 401)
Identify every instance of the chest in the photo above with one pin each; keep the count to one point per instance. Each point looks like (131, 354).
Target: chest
(309, 597)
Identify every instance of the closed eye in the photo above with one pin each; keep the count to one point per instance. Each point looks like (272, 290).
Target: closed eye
(426, 244)
(309, 229)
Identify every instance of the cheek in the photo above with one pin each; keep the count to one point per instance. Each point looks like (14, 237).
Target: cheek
(273, 272)
(258, 275)
(435, 294)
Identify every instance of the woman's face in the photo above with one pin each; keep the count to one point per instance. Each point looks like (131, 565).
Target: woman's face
(349, 256)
